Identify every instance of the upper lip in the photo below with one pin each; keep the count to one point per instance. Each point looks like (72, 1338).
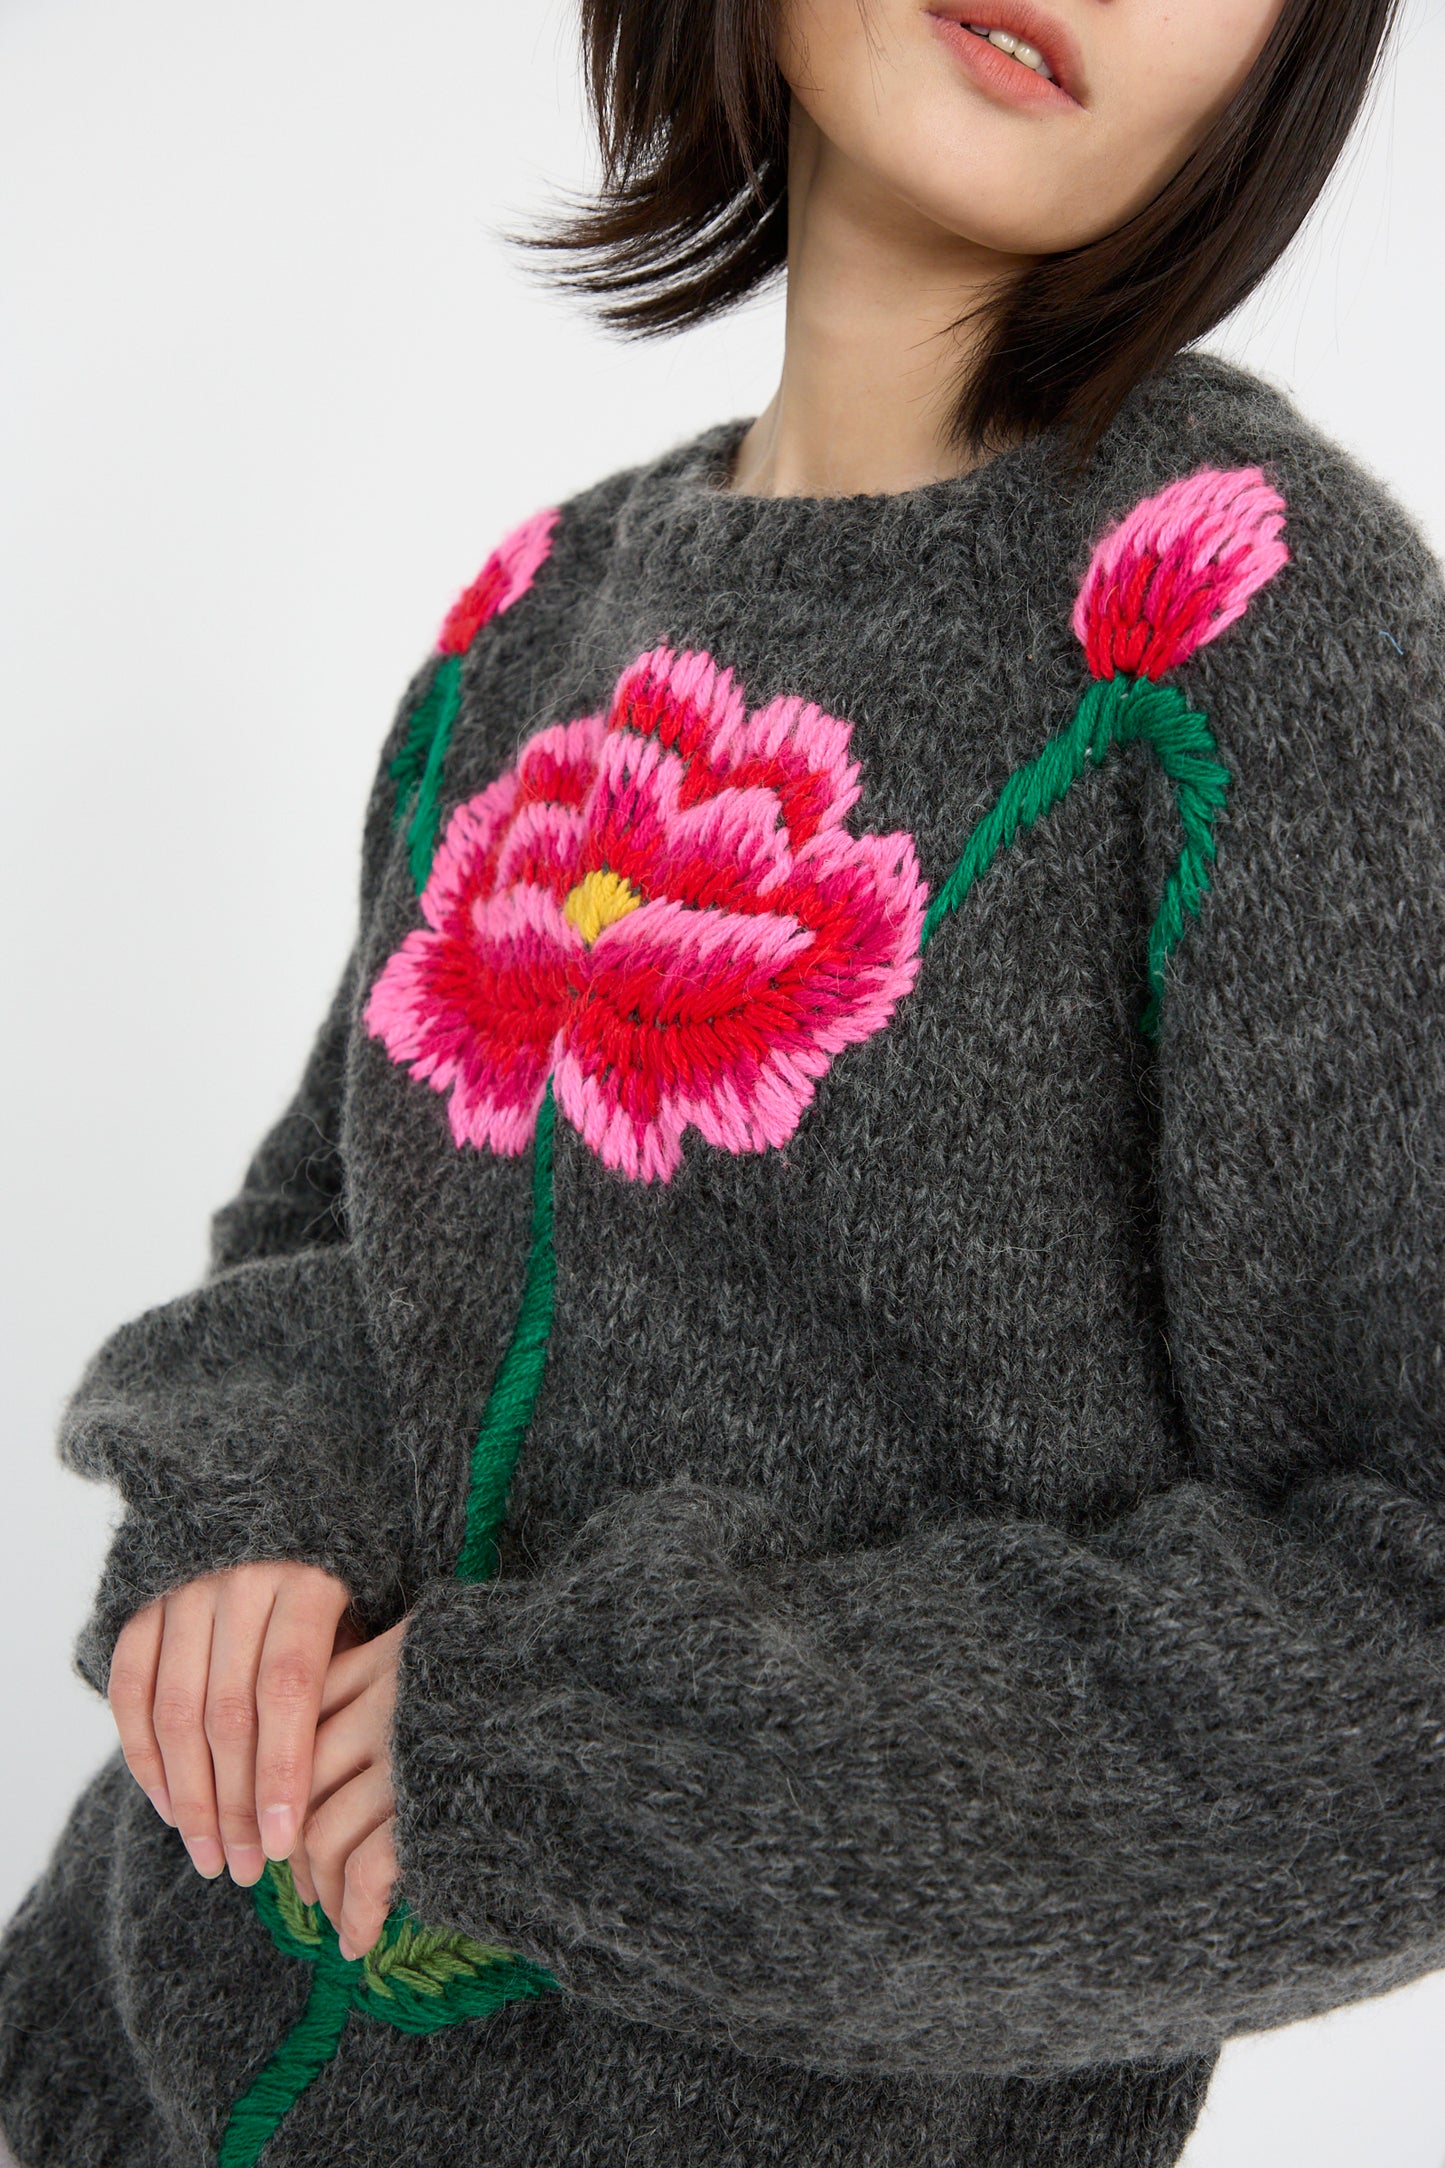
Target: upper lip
(1024, 19)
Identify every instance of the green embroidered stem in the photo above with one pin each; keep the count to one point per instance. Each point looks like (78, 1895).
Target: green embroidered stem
(417, 768)
(417, 1979)
(307, 2048)
(519, 1379)
(1114, 711)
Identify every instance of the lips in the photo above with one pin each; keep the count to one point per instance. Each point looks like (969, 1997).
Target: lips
(1027, 20)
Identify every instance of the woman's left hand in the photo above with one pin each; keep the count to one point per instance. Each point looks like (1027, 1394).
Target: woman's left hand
(345, 1859)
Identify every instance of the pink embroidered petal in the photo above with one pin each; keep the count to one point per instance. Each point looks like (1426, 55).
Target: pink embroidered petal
(495, 1089)
(724, 1022)
(543, 849)
(465, 860)
(683, 700)
(863, 899)
(802, 755)
(1177, 569)
(478, 1017)
(694, 708)
(558, 764)
(506, 575)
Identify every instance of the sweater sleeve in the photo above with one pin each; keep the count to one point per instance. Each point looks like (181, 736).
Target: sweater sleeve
(1003, 1795)
(246, 1419)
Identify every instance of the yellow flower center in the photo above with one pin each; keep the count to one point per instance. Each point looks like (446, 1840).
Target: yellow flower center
(599, 900)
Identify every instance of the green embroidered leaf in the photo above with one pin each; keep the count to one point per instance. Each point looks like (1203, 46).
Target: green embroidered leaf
(409, 766)
(427, 1960)
(295, 1927)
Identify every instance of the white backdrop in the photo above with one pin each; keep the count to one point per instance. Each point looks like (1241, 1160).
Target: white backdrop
(271, 387)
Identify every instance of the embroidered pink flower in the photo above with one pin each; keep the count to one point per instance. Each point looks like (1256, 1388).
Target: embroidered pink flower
(1177, 569)
(506, 575)
(661, 910)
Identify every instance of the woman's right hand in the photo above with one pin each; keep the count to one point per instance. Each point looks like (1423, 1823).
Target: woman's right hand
(216, 1690)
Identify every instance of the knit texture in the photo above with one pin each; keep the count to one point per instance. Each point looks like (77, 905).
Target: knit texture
(964, 1552)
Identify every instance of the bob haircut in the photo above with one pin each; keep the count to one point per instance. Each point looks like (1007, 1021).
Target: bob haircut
(692, 113)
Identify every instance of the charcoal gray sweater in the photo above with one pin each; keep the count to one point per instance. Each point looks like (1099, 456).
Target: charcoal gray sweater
(861, 1251)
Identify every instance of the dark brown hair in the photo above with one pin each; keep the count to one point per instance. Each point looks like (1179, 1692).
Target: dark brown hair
(691, 215)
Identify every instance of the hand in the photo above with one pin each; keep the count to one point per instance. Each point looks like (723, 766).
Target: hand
(345, 1860)
(215, 1690)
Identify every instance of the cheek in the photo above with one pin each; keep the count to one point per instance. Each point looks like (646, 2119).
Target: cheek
(817, 44)
(1158, 96)
(885, 95)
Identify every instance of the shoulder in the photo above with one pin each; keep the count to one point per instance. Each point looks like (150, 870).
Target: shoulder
(1323, 694)
(1341, 647)
(1357, 552)
(1291, 611)
(558, 552)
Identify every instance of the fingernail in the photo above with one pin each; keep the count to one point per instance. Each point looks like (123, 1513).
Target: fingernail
(247, 1863)
(278, 1831)
(346, 1950)
(160, 1800)
(206, 1856)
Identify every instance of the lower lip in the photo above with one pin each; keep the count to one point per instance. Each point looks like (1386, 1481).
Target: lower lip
(1000, 74)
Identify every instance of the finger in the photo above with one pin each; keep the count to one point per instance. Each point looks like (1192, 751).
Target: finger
(370, 1876)
(131, 1691)
(243, 1608)
(301, 1873)
(336, 1829)
(292, 1674)
(347, 1675)
(353, 1670)
(179, 1719)
(346, 1744)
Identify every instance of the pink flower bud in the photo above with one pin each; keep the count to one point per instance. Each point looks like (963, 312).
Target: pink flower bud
(1177, 569)
(503, 579)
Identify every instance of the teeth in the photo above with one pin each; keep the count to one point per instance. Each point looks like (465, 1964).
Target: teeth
(1028, 54)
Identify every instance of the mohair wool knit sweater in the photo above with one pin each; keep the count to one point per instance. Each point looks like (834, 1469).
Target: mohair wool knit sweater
(862, 1248)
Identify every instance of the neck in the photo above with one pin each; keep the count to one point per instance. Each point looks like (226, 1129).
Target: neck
(871, 364)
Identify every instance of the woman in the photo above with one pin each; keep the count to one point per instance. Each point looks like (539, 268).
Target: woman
(800, 1517)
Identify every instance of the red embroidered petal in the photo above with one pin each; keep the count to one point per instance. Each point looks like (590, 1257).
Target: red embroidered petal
(542, 848)
(557, 765)
(799, 753)
(725, 1021)
(679, 1013)
(789, 747)
(728, 851)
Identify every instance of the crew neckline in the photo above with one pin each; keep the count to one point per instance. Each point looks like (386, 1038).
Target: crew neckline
(707, 463)
(678, 522)
(677, 515)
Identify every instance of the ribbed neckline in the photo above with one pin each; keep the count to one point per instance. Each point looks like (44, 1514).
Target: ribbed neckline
(701, 466)
(675, 522)
(716, 449)
(677, 509)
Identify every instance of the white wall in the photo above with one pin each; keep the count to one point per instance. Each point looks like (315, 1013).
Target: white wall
(271, 387)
